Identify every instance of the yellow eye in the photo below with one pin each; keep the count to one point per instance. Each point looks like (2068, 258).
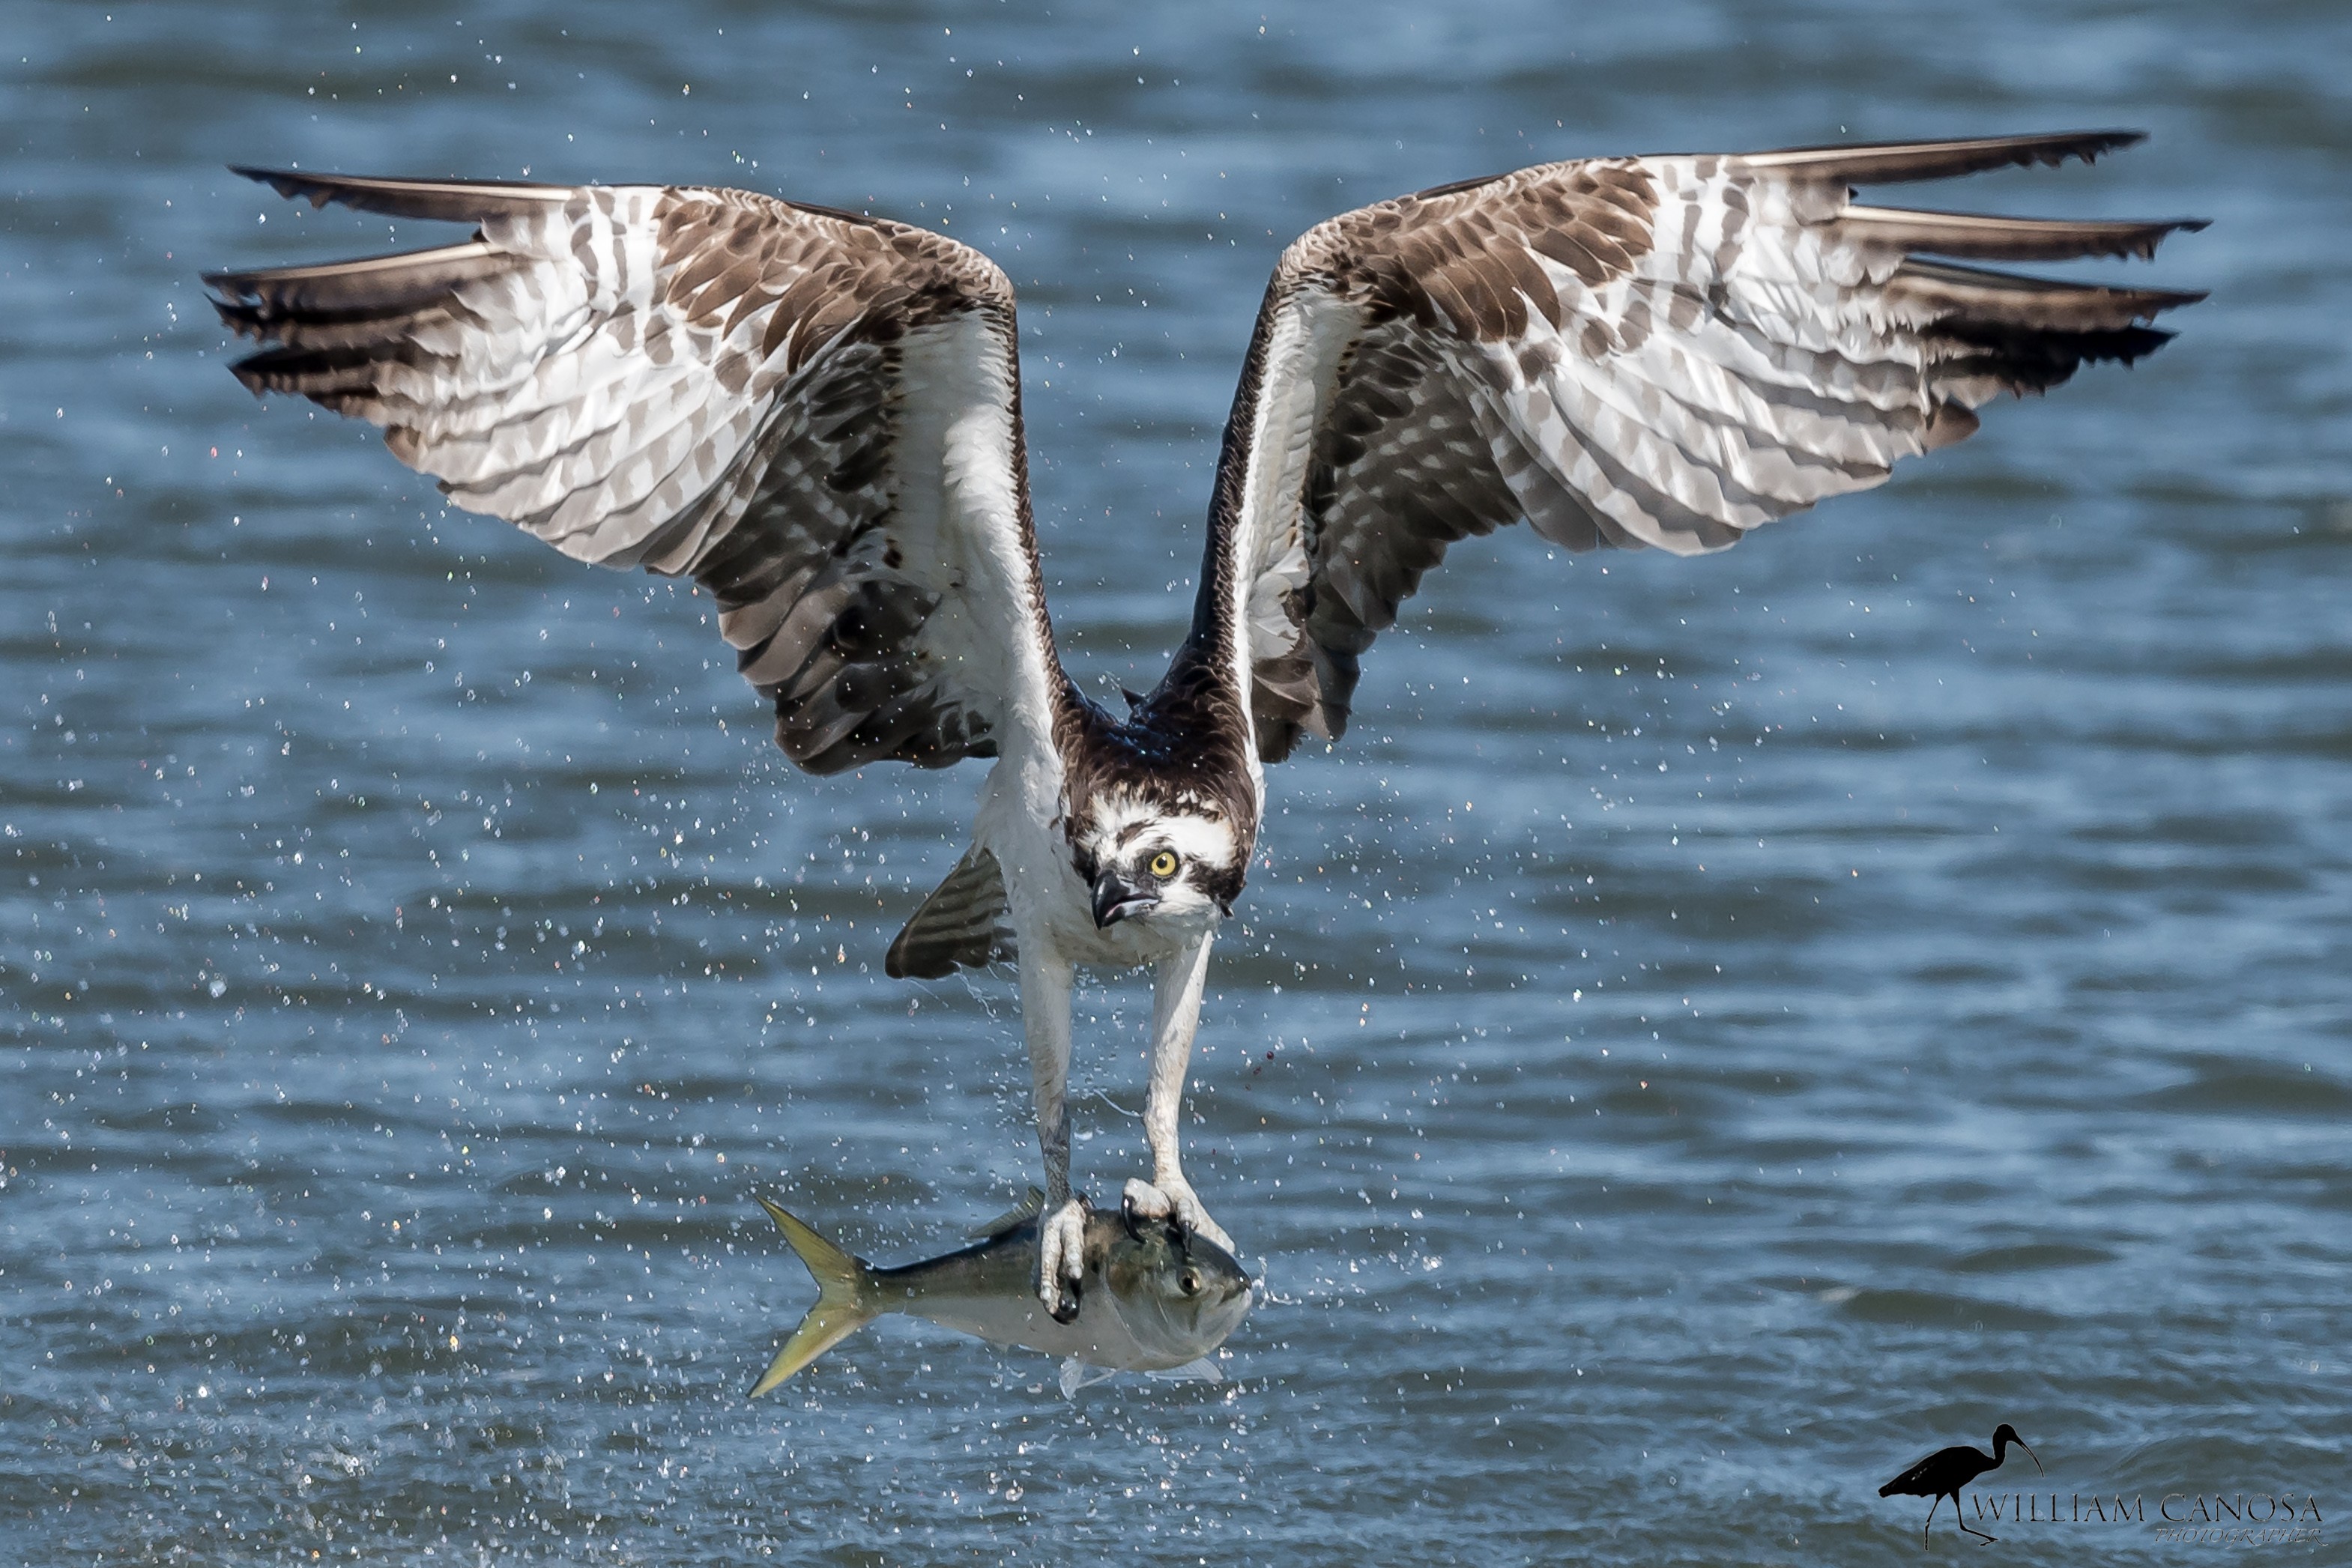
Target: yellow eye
(1163, 864)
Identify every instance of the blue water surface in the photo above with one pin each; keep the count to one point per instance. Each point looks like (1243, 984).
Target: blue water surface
(1717, 1031)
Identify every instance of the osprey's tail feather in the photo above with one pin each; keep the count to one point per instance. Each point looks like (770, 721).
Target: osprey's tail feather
(959, 927)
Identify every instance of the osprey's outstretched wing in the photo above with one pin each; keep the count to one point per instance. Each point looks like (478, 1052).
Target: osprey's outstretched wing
(816, 414)
(1625, 351)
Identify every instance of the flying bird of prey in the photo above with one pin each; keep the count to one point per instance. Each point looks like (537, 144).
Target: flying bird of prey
(817, 415)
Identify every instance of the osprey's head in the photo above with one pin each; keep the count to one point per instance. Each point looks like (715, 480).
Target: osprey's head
(1177, 861)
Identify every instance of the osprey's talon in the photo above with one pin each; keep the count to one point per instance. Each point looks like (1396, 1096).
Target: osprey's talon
(1172, 1198)
(1061, 1258)
(1144, 1201)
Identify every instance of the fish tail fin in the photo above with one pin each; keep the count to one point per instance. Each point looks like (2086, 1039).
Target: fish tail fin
(843, 1305)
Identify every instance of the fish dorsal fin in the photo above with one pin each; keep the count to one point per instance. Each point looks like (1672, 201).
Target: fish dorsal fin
(1011, 1218)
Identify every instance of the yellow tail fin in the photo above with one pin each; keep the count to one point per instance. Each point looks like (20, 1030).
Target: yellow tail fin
(841, 1307)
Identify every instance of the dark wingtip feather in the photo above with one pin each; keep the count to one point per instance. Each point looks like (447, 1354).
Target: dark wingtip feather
(1945, 294)
(1892, 162)
(311, 372)
(375, 302)
(1986, 236)
(1980, 359)
(446, 201)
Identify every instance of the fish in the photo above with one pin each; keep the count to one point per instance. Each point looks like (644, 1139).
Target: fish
(1153, 1297)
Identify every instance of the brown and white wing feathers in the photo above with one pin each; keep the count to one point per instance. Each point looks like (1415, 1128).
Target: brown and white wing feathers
(815, 414)
(1638, 351)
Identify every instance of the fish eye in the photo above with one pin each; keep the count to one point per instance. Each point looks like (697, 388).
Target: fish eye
(1190, 1283)
(1163, 864)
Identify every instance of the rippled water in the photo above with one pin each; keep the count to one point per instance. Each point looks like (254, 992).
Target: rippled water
(1717, 1030)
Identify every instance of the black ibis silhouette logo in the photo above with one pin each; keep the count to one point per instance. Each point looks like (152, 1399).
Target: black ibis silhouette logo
(1943, 1473)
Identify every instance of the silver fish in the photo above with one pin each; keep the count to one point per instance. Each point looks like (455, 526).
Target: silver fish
(1154, 1298)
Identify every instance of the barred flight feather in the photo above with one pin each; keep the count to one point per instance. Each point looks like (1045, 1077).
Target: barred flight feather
(716, 383)
(1662, 351)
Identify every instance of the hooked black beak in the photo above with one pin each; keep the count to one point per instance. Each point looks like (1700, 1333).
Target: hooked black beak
(1115, 900)
(2031, 1455)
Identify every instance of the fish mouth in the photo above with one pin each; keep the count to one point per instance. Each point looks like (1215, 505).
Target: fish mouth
(1187, 1331)
(1116, 899)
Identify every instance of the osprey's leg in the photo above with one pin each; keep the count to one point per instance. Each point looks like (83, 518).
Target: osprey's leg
(1175, 1017)
(1062, 1223)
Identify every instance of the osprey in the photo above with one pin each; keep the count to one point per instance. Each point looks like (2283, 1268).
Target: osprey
(817, 414)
